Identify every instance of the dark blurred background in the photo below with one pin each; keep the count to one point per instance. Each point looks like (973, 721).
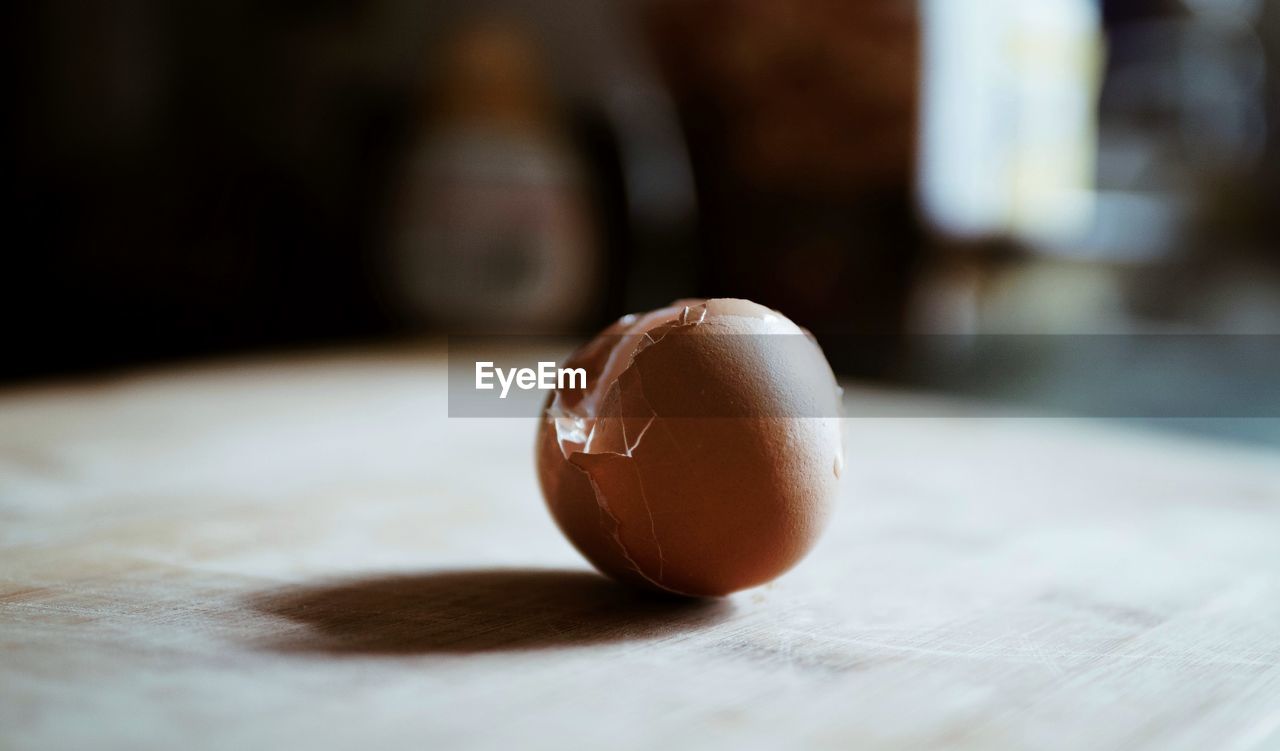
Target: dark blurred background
(210, 177)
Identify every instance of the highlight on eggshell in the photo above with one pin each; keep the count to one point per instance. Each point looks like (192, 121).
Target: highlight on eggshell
(704, 455)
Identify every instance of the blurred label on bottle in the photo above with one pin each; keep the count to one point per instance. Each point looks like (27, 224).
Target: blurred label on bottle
(494, 228)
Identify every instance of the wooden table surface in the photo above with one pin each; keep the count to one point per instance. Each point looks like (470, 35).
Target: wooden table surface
(307, 553)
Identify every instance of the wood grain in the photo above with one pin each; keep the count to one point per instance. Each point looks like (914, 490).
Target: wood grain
(306, 553)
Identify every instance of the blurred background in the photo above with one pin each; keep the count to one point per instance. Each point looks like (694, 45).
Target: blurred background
(214, 177)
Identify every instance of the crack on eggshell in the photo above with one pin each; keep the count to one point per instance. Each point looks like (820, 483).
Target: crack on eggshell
(601, 497)
(616, 532)
(632, 446)
(653, 526)
(576, 433)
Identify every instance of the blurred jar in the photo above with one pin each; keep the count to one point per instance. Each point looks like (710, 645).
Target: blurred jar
(494, 231)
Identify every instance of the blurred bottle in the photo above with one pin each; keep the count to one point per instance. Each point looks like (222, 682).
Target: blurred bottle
(494, 230)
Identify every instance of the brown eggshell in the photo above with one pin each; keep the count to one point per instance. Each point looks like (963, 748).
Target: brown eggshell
(713, 454)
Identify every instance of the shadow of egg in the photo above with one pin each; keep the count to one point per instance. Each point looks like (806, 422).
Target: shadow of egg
(473, 611)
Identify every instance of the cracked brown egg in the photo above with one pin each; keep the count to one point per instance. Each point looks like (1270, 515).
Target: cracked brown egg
(704, 454)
